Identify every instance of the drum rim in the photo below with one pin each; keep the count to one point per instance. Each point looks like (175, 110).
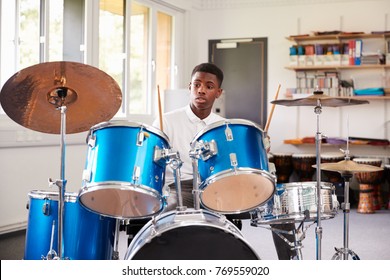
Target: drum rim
(281, 154)
(303, 155)
(124, 123)
(229, 228)
(363, 159)
(327, 185)
(222, 123)
(53, 195)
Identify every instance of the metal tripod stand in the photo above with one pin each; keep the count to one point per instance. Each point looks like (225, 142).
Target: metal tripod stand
(344, 252)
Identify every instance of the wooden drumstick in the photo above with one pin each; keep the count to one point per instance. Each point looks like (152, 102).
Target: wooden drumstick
(272, 111)
(159, 107)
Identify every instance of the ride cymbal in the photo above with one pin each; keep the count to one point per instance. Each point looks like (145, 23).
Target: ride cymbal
(348, 166)
(32, 97)
(320, 98)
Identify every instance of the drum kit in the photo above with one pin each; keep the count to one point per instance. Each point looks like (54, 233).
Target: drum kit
(125, 167)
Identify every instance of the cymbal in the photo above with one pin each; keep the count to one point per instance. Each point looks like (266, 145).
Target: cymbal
(32, 97)
(321, 98)
(348, 166)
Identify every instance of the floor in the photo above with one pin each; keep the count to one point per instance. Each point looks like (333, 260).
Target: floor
(368, 238)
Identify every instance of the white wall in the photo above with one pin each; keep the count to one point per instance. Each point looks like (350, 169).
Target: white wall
(23, 169)
(278, 22)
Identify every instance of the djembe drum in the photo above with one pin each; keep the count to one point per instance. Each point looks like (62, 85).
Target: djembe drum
(303, 166)
(283, 166)
(369, 186)
(333, 177)
(387, 178)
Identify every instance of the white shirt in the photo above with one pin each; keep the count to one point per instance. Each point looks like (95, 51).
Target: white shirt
(181, 126)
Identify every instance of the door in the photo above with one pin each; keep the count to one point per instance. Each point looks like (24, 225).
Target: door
(244, 63)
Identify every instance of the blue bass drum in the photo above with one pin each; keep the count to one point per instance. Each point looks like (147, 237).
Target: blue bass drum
(86, 235)
(124, 175)
(234, 174)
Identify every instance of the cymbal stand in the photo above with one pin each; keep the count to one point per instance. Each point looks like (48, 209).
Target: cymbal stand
(343, 253)
(61, 184)
(317, 111)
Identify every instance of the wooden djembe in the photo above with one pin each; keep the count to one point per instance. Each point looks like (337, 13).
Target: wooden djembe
(283, 166)
(330, 176)
(387, 178)
(369, 186)
(333, 177)
(303, 166)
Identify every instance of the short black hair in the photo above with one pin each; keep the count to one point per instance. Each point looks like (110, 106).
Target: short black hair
(209, 68)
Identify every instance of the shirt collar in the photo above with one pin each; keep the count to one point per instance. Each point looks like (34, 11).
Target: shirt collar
(194, 118)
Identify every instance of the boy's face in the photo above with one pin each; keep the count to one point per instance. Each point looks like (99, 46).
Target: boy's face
(204, 89)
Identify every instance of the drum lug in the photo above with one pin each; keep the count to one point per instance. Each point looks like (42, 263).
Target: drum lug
(160, 156)
(87, 174)
(233, 160)
(46, 208)
(136, 173)
(91, 141)
(141, 137)
(228, 133)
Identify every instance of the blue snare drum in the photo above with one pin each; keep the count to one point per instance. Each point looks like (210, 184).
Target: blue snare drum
(86, 235)
(233, 172)
(123, 175)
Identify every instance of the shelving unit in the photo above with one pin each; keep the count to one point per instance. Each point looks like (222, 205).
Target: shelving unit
(338, 65)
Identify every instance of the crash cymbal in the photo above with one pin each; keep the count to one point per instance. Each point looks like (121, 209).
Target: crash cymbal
(348, 166)
(32, 96)
(323, 99)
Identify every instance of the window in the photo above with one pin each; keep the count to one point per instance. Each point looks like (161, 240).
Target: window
(132, 41)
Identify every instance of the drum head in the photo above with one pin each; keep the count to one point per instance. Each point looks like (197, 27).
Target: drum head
(236, 193)
(202, 236)
(121, 200)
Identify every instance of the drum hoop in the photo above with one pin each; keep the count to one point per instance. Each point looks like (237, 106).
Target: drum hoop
(165, 227)
(359, 160)
(53, 195)
(123, 123)
(281, 154)
(303, 155)
(225, 122)
(324, 185)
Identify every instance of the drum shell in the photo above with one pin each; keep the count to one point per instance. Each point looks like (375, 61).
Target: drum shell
(86, 235)
(284, 166)
(374, 177)
(190, 235)
(249, 155)
(303, 166)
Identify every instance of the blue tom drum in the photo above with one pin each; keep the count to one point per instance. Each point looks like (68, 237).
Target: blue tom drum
(232, 165)
(124, 174)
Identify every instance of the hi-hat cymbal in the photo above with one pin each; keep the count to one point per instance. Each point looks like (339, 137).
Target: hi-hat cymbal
(348, 166)
(32, 96)
(323, 99)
